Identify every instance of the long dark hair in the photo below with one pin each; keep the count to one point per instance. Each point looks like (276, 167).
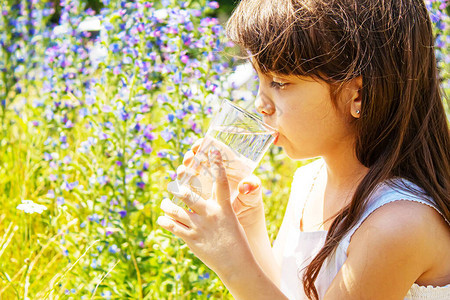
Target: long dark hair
(403, 130)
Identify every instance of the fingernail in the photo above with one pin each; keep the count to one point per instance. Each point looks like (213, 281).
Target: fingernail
(173, 187)
(164, 203)
(159, 221)
(213, 154)
(246, 188)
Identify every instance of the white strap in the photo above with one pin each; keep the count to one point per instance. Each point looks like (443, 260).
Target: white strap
(387, 193)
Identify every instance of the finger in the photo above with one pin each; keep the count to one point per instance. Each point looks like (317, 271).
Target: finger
(250, 185)
(196, 145)
(222, 188)
(187, 159)
(189, 197)
(181, 171)
(177, 213)
(184, 173)
(250, 194)
(173, 226)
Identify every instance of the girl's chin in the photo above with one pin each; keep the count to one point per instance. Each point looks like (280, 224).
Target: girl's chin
(296, 155)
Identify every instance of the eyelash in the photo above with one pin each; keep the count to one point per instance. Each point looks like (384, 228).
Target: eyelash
(278, 85)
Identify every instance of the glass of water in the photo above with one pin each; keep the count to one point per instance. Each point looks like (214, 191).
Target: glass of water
(242, 139)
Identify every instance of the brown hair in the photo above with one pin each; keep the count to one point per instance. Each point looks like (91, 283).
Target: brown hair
(403, 130)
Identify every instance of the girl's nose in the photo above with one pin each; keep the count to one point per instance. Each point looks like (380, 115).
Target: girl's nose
(263, 108)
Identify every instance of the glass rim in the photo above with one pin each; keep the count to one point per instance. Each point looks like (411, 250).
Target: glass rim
(250, 115)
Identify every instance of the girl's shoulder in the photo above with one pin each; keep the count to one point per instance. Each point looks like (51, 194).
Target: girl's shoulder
(403, 223)
(404, 241)
(410, 230)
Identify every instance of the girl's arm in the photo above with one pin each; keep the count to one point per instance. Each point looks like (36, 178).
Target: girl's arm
(259, 242)
(249, 281)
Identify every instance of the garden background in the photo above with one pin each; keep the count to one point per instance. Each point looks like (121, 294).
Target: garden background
(99, 102)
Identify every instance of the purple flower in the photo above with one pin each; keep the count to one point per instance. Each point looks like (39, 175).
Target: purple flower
(51, 194)
(69, 186)
(60, 200)
(167, 134)
(117, 70)
(140, 184)
(177, 78)
(123, 213)
(94, 263)
(189, 26)
(180, 114)
(184, 59)
(148, 134)
(213, 4)
(69, 124)
(47, 156)
(147, 148)
(124, 115)
(113, 249)
(216, 29)
(102, 180)
(187, 140)
(162, 98)
(103, 136)
(94, 218)
(114, 47)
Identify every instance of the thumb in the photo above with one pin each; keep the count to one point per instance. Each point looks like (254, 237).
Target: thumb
(222, 188)
(250, 185)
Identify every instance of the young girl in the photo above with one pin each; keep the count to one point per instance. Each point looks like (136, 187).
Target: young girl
(354, 83)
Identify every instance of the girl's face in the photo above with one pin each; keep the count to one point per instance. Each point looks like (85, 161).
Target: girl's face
(301, 110)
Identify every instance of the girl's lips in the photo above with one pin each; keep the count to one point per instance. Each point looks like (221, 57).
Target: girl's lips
(276, 134)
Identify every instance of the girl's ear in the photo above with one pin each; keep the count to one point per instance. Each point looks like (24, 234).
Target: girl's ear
(355, 96)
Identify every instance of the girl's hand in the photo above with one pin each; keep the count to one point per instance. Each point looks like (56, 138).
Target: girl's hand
(211, 230)
(248, 205)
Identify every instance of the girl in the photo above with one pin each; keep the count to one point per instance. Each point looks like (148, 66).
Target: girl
(354, 83)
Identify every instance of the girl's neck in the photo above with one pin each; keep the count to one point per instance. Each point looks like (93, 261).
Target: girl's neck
(344, 172)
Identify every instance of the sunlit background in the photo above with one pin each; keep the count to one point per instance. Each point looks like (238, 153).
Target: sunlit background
(99, 102)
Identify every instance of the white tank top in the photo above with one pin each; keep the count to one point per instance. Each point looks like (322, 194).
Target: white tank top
(296, 249)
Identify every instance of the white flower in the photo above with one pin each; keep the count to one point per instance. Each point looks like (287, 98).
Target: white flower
(90, 24)
(98, 54)
(161, 14)
(30, 207)
(61, 30)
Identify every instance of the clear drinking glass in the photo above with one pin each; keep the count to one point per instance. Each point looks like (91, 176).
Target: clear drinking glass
(242, 139)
